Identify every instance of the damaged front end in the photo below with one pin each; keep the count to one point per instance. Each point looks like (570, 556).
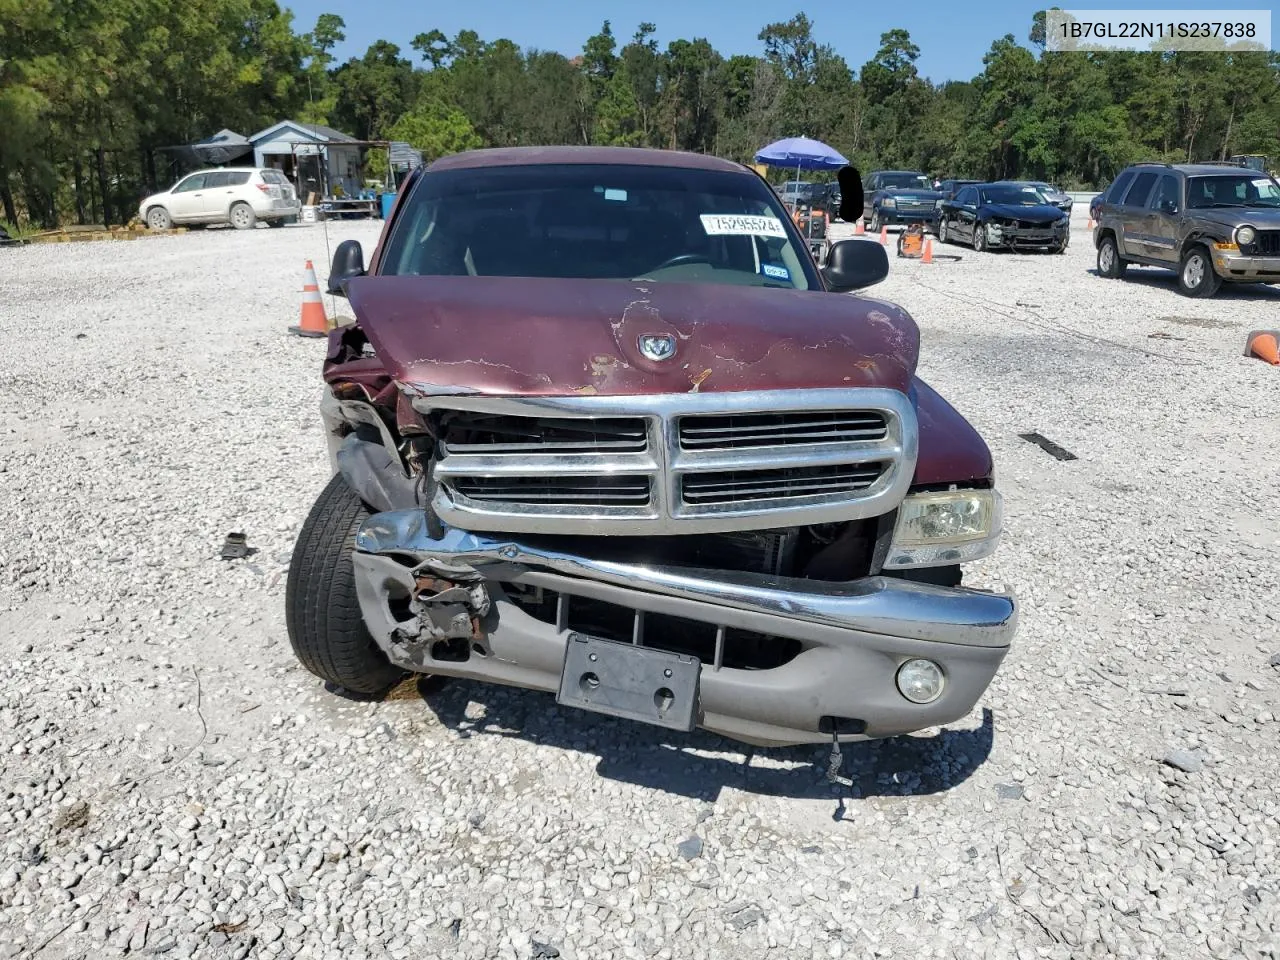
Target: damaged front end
(780, 660)
(711, 544)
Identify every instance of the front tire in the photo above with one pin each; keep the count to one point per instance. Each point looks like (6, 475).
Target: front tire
(243, 217)
(944, 234)
(322, 614)
(874, 225)
(1110, 264)
(980, 238)
(1196, 277)
(158, 219)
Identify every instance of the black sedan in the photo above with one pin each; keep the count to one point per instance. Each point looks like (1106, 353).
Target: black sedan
(1004, 214)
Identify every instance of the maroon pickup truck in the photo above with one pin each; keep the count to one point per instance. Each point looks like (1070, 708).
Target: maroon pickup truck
(604, 428)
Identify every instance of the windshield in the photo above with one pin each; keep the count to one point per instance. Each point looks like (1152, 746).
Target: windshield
(907, 181)
(598, 221)
(1235, 190)
(1027, 196)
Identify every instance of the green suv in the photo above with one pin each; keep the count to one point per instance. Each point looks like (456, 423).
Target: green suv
(1211, 222)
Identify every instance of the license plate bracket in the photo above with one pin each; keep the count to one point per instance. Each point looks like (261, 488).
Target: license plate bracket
(631, 682)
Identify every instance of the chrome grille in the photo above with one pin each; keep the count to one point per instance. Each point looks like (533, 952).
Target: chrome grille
(788, 483)
(780, 429)
(670, 464)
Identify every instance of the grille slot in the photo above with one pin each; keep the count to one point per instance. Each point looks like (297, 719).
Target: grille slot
(786, 483)
(1268, 243)
(736, 431)
(627, 491)
(504, 434)
(717, 646)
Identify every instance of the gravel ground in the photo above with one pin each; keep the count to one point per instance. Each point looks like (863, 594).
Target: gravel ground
(176, 785)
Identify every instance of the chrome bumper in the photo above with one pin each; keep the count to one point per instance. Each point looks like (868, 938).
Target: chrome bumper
(1242, 266)
(852, 636)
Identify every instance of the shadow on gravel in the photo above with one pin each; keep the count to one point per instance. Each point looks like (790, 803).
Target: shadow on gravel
(699, 765)
(1168, 280)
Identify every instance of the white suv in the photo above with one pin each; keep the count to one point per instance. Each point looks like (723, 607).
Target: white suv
(240, 196)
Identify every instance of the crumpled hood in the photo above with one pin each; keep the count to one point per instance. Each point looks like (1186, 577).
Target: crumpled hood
(553, 337)
(1040, 213)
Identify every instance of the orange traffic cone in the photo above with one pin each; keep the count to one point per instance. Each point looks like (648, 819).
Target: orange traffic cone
(1265, 345)
(884, 235)
(928, 249)
(314, 323)
(1090, 223)
(859, 229)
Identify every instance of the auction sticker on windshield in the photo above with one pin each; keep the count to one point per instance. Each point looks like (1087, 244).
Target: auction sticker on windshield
(741, 225)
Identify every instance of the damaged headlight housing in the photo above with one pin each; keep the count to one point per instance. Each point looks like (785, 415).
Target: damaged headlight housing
(943, 527)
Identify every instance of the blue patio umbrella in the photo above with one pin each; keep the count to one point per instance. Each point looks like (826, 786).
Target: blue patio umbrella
(802, 153)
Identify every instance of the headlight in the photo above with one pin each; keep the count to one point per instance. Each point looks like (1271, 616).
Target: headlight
(888, 202)
(945, 527)
(1246, 236)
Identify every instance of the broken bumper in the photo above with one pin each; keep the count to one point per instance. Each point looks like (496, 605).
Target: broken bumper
(851, 637)
(1048, 236)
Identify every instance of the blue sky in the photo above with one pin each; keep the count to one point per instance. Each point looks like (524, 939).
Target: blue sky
(952, 37)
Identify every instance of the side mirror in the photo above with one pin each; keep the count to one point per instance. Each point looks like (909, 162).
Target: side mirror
(854, 264)
(348, 262)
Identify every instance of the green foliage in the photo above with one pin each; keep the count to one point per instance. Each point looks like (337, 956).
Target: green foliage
(436, 129)
(91, 90)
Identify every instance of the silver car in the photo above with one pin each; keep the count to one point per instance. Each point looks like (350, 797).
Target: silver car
(240, 196)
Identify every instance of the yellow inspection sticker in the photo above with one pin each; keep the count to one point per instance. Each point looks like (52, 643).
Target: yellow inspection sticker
(742, 225)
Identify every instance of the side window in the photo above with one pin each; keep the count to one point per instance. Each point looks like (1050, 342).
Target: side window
(1140, 191)
(967, 196)
(1118, 188)
(1168, 198)
(218, 179)
(191, 183)
(236, 178)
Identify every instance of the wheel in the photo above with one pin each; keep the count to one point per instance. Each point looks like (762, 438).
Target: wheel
(243, 217)
(1062, 247)
(1110, 263)
(980, 238)
(1196, 277)
(322, 614)
(944, 235)
(874, 225)
(158, 219)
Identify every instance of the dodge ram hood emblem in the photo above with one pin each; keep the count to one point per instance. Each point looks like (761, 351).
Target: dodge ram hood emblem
(657, 346)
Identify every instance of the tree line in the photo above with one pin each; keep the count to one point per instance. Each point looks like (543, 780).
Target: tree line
(91, 92)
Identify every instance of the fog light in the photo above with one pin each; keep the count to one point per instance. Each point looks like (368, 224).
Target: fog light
(920, 681)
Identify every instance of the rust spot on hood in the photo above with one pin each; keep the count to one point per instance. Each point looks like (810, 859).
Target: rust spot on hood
(699, 380)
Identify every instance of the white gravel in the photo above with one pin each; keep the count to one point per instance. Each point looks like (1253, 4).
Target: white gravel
(175, 785)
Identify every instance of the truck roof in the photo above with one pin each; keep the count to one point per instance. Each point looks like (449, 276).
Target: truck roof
(641, 156)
